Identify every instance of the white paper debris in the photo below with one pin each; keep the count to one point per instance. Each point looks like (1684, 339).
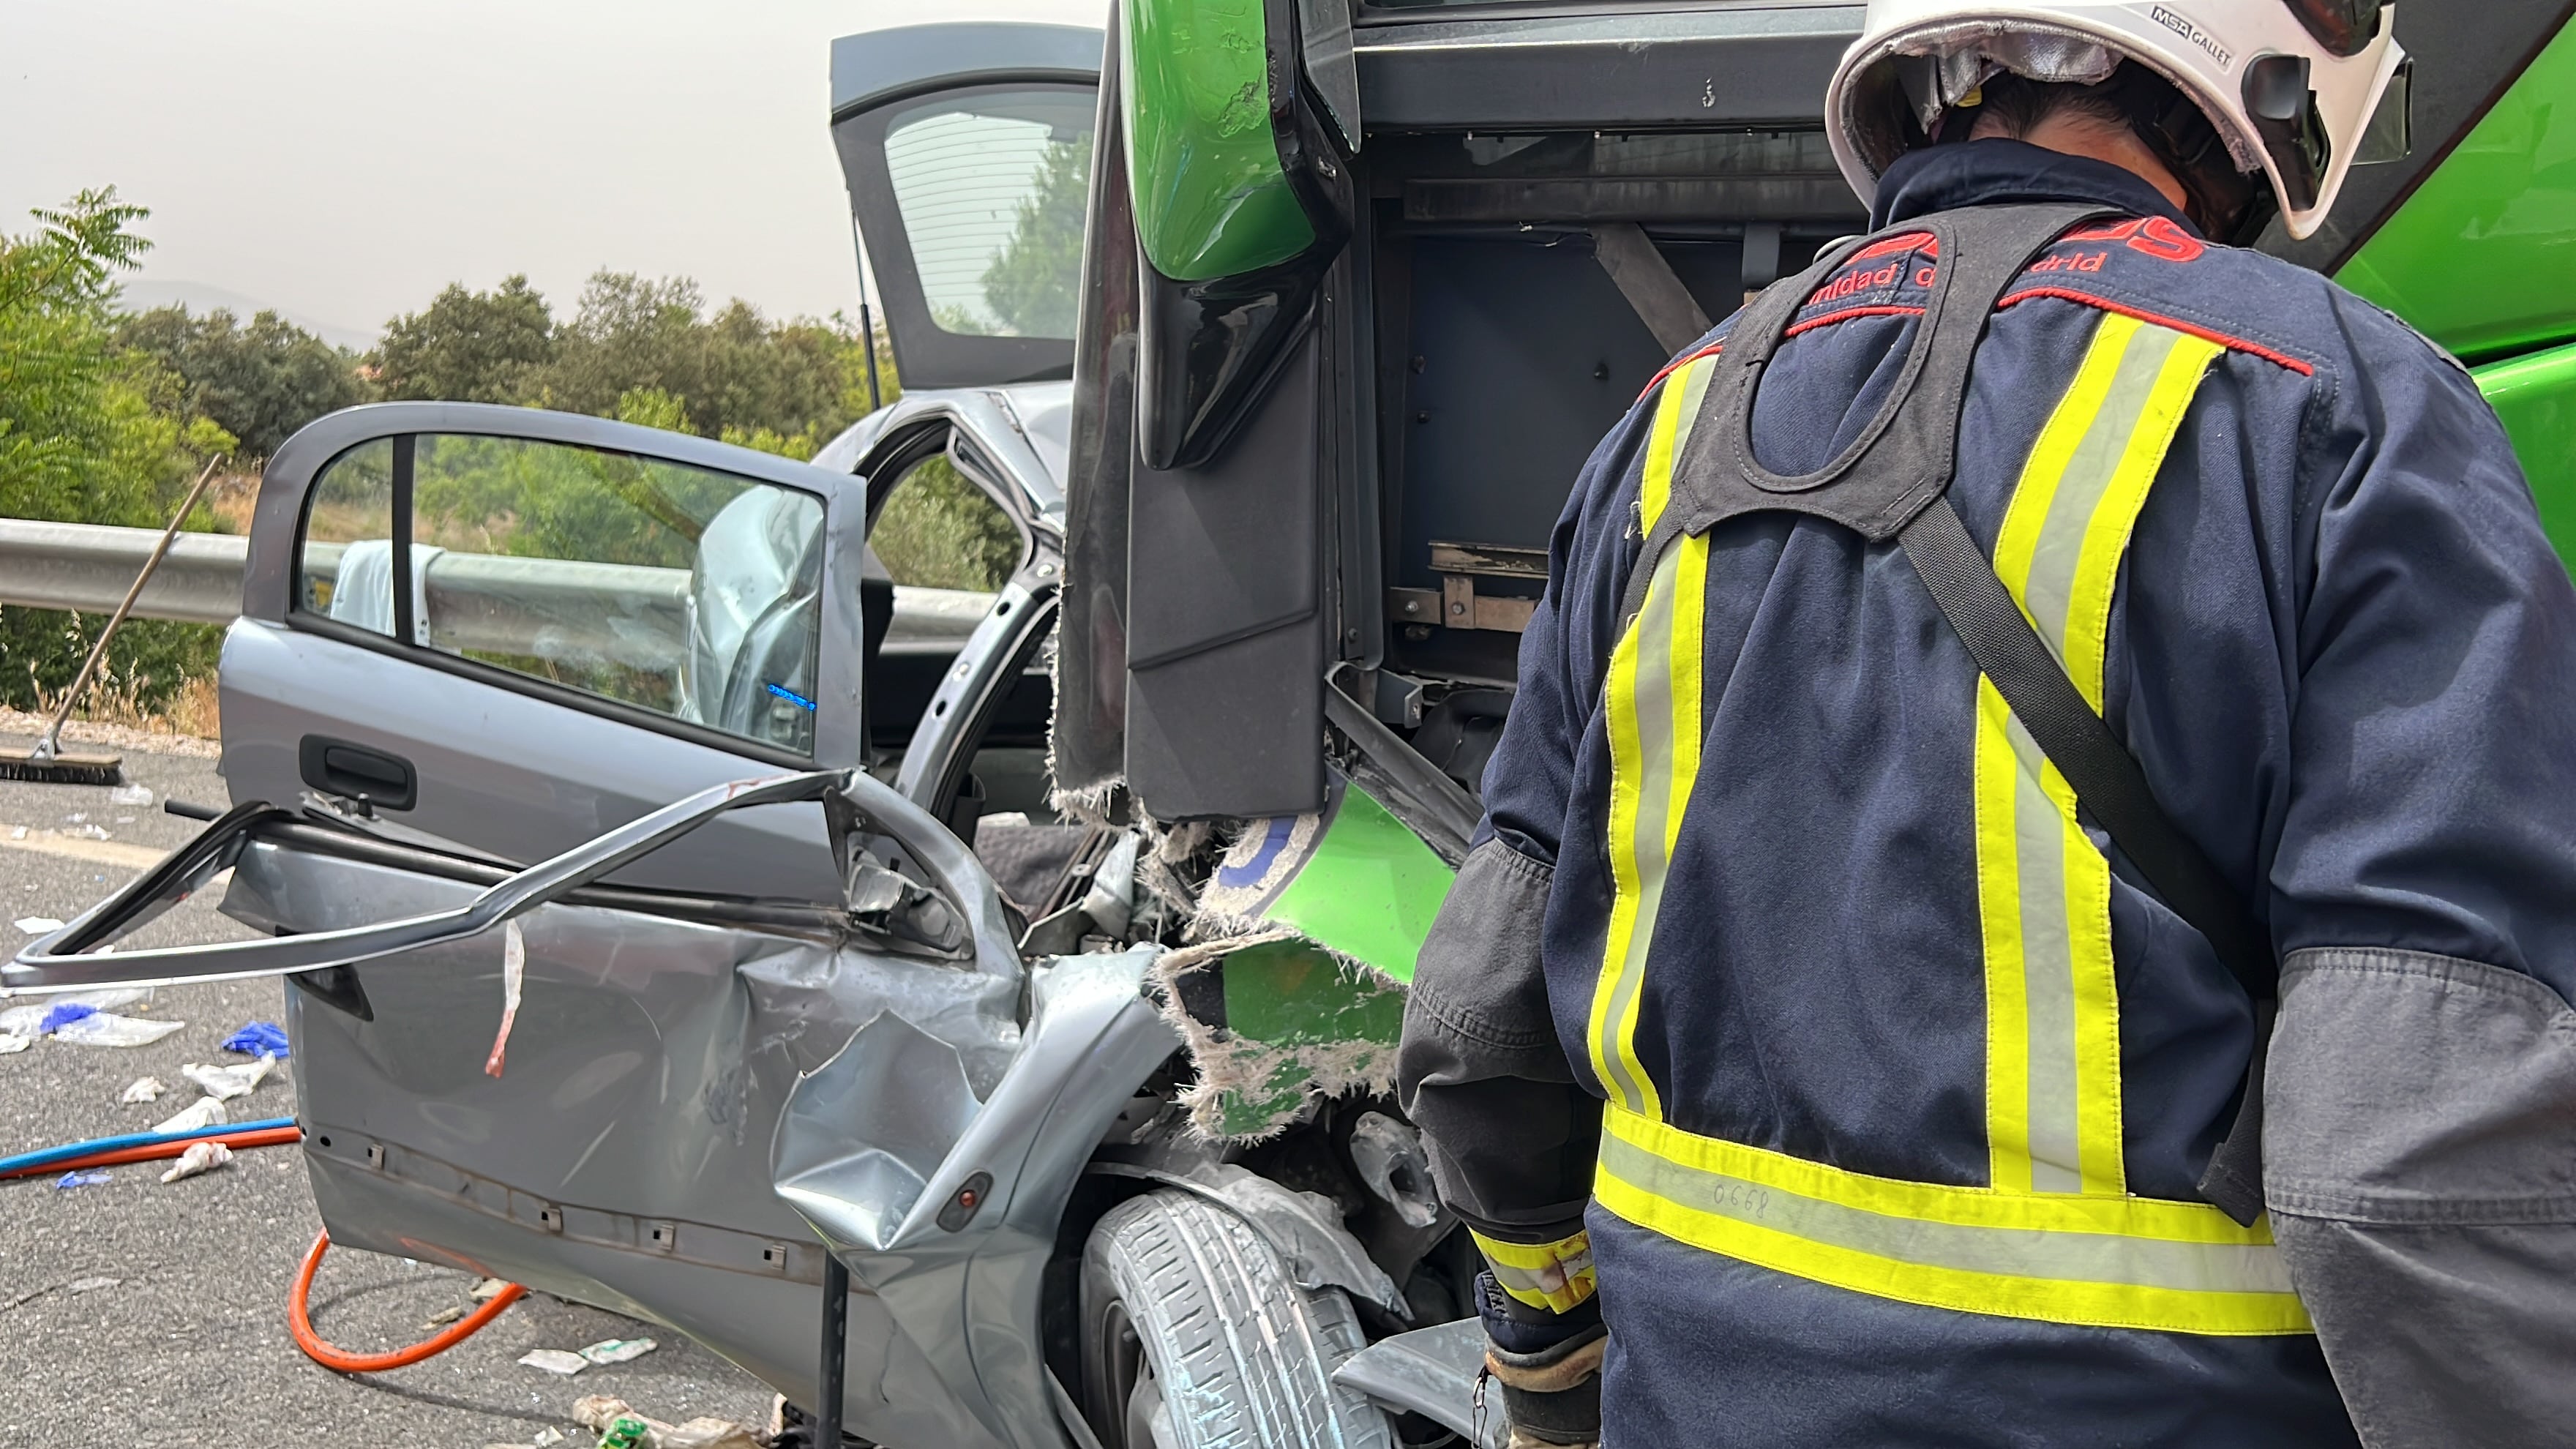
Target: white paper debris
(547, 1438)
(706, 1433)
(514, 971)
(110, 1030)
(555, 1361)
(10, 1042)
(142, 1089)
(225, 1083)
(203, 1113)
(38, 925)
(488, 1289)
(130, 795)
(618, 1350)
(90, 1285)
(200, 1157)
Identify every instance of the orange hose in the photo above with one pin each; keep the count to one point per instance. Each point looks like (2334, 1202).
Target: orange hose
(301, 1324)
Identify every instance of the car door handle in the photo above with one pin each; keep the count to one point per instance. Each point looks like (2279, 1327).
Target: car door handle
(356, 772)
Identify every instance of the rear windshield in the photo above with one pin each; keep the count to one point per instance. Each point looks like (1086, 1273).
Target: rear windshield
(992, 188)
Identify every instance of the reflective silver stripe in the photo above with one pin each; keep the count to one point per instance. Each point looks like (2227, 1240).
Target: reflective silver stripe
(2050, 588)
(1652, 701)
(2048, 966)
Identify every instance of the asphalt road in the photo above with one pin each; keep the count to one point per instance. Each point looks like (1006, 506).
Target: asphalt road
(135, 1313)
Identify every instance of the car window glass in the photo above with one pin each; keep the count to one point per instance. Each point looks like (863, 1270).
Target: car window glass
(680, 590)
(344, 568)
(938, 530)
(992, 190)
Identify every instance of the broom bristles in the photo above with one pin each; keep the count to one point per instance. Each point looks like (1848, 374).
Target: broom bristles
(62, 769)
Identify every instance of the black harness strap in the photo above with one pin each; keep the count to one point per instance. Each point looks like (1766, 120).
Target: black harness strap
(2108, 783)
(1892, 482)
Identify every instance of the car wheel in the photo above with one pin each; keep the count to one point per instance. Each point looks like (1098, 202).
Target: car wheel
(1196, 1336)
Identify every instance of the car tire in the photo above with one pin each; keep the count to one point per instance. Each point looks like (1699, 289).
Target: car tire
(1196, 1336)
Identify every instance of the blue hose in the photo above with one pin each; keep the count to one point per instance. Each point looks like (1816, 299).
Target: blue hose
(46, 1157)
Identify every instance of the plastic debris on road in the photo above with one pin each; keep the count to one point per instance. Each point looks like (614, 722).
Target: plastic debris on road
(62, 1014)
(618, 1350)
(487, 1289)
(91, 1285)
(225, 1083)
(617, 1423)
(142, 1089)
(258, 1039)
(107, 1029)
(555, 1361)
(10, 1041)
(200, 1157)
(130, 795)
(38, 925)
(84, 832)
(29, 1019)
(70, 1180)
(200, 1114)
(547, 1438)
(514, 972)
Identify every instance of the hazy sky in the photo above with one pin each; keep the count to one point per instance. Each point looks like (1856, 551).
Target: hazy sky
(344, 159)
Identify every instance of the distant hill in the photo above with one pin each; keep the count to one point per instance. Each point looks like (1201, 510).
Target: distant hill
(198, 297)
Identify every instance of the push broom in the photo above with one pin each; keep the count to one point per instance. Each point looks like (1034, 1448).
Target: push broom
(47, 763)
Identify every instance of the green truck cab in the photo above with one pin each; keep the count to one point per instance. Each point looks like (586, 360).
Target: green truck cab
(1363, 284)
(1363, 288)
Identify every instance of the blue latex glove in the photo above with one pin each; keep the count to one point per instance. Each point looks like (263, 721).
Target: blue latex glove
(260, 1038)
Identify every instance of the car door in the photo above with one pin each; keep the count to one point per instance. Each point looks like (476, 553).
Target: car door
(475, 637)
(507, 631)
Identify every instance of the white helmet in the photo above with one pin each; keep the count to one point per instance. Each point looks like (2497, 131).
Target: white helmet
(2289, 86)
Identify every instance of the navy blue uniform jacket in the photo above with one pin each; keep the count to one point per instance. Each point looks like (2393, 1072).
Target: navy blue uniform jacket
(2345, 656)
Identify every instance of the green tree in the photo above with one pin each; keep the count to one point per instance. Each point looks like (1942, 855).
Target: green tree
(260, 383)
(1033, 282)
(469, 346)
(89, 431)
(626, 333)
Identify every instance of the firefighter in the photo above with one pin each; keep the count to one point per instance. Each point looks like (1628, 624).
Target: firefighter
(1968, 842)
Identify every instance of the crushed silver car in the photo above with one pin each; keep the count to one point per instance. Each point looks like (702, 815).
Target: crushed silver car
(935, 919)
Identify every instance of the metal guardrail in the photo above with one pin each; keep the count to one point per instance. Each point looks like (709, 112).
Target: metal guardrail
(492, 602)
(89, 566)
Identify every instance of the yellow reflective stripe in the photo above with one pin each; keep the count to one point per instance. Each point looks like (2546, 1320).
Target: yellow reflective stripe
(2112, 1262)
(2053, 1112)
(1998, 779)
(1555, 1276)
(1652, 705)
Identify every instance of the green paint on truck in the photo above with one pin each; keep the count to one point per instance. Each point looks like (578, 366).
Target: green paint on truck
(1210, 197)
